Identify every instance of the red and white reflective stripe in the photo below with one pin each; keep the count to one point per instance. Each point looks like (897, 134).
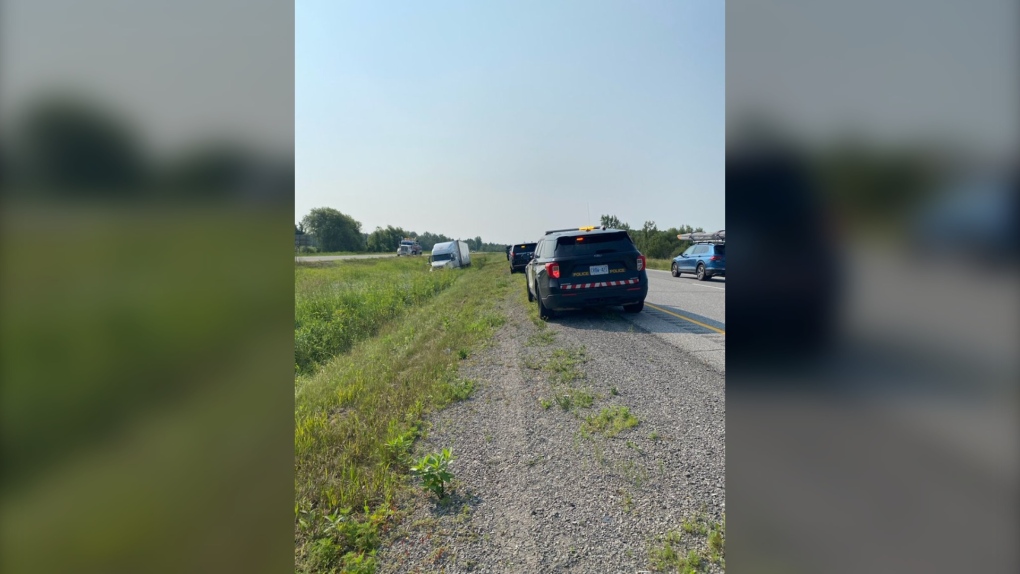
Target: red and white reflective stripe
(573, 286)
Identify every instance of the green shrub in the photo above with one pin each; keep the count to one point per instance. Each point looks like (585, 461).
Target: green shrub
(564, 363)
(359, 563)
(434, 472)
(459, 390)
(702, 538)
(397, 448)
(611, 421)
(324, 554)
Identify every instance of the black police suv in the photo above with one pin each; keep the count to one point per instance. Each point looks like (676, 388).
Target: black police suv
(586, 267)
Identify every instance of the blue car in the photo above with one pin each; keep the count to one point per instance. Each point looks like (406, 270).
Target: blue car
(704, 260)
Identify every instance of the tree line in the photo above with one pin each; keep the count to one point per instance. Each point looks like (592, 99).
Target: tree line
(652, 241)
(64, 145)
(336, 231)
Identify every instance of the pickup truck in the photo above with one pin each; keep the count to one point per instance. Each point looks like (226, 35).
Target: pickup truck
(520, 255)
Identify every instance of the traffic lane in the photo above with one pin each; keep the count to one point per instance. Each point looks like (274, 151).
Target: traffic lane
(715, 282)
(705, 299)
(906, 302)
(810, 469)
(312, 258)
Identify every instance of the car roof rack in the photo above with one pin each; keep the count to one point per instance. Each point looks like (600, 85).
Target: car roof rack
(588, 228)
(703, 237)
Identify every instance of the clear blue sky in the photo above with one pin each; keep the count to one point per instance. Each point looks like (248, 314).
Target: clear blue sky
(504, 119)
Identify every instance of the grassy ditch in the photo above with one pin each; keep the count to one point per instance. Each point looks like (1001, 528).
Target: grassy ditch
(662, 264)
(339, 304)
(110, 311)
(358, 414)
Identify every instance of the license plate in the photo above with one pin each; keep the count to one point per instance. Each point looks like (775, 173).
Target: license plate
(599, 270)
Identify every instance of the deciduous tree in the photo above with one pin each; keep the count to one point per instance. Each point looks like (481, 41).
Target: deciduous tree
(334, 231)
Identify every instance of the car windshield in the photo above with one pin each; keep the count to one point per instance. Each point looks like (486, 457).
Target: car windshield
(591, 244)
(442, 257)
(524, 247)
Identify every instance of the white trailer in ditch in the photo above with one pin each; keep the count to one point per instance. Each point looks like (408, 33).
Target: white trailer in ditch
(450, 254)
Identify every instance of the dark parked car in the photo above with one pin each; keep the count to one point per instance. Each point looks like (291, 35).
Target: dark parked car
(704, 260)
(520, 255)
(586, 267)
(783, 304)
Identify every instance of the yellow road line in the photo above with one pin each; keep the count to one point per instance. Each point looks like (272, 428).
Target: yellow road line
(699, 323)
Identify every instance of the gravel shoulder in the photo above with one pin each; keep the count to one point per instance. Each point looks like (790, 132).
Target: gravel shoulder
(536, 488)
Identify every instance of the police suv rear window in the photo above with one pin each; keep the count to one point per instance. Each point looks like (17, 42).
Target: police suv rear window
(594, 243)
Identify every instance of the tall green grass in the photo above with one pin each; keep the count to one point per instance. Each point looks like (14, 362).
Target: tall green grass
(358, 414)
(339, 304)
(662, 264)
(112, 312)
(140, 399)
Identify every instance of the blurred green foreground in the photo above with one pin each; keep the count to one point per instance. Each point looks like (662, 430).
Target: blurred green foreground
(147, 388)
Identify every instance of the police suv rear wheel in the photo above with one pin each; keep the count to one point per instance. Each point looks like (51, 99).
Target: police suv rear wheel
(544, 313)
(635, 308)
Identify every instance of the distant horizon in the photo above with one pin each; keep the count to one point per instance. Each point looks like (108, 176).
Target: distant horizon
(499, 122)
(596, 223)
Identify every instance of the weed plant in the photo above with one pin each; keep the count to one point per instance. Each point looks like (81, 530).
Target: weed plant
(703, 539)
(611, 421)
(564, 364)
(434, 471)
